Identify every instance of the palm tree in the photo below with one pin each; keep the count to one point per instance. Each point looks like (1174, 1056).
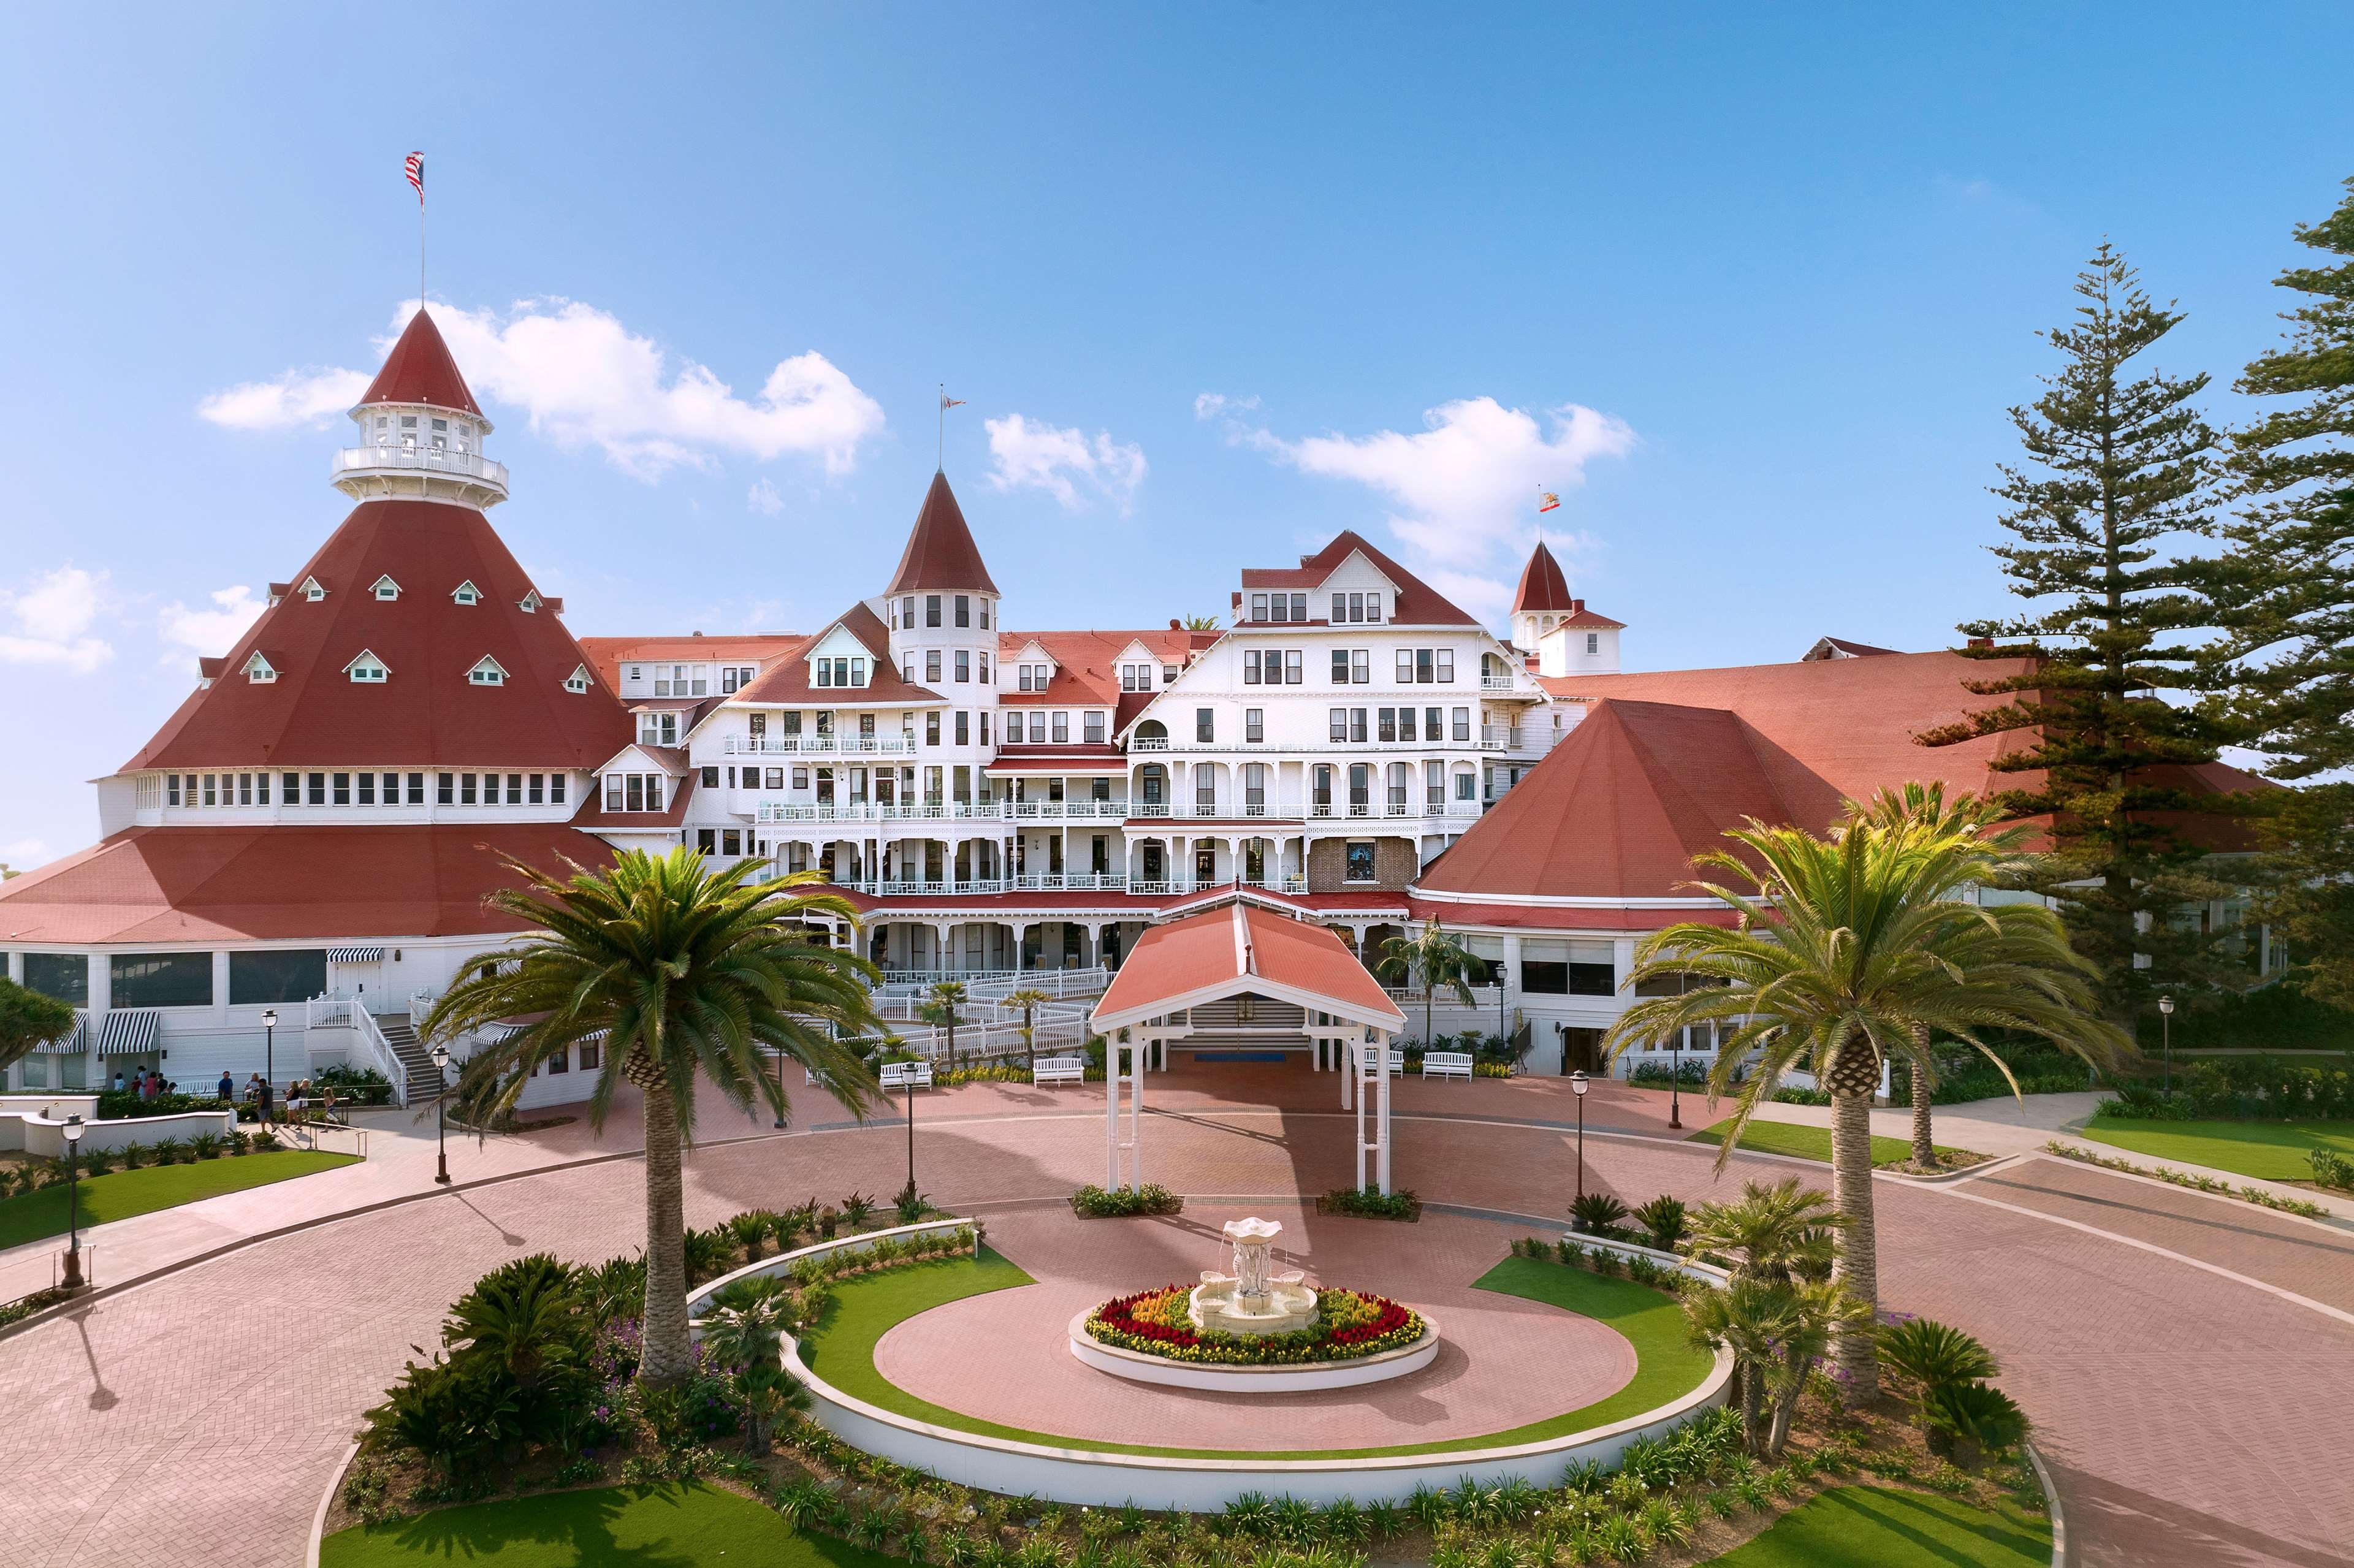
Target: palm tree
(1028, 999)
(1437, 958)
(941, 1012)
(1777, 1233)
(689, 975)
(1848, 952)
(1201, 623)
(1967, 817)
(1776, 1331)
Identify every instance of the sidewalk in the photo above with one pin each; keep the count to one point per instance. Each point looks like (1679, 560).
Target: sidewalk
(2005, 1126)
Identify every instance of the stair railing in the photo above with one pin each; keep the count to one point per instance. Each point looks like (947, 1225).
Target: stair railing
(370, 1035)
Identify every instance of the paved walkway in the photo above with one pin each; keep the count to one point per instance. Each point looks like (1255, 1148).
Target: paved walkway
(2196, 1410)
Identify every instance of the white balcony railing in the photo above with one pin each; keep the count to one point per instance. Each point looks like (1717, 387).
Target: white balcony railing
(420, 459)
(818, 744)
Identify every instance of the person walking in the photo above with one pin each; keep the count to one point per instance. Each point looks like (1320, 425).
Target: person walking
(264, 1102)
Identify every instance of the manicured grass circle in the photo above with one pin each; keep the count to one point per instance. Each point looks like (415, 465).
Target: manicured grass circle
(841, 1349)
(1808, 1142)
(2269, 1151)
(142, 1191)
(1881, 1527)
(607, 1527)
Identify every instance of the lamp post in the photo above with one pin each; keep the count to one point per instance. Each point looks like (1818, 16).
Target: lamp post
(440, 1057)
(1577, 1087)
(780, 1090)
(2166, 1035)
(270, 1045)
(1676, 1079)
(911, 1134)
(73, 1131)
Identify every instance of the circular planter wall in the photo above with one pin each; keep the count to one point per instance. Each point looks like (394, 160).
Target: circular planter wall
(1139, 1367)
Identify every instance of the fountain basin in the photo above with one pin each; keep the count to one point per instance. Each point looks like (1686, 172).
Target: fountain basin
(1288, 1378)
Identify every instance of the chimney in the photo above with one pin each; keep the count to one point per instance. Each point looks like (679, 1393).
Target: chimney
(1175, 624)
(1578, 607)
(1981, 642)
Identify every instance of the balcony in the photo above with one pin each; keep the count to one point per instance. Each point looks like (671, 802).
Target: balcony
(362, 472)
(1197, 811)
(1497, 683)
(818, 745)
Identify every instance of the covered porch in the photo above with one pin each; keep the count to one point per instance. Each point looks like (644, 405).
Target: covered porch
(1242, 983)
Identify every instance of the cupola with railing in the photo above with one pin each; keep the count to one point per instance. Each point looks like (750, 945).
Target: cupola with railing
(420, 430)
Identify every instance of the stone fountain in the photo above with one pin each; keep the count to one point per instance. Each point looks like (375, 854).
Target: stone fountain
(1251, 1301)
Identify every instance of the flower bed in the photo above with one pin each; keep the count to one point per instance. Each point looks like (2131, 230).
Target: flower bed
(1350, 1325)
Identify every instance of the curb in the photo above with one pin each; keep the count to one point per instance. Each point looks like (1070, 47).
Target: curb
(328, 1500)
(2051, 1502)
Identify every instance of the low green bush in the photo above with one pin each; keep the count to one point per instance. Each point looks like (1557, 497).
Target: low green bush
(1093, 1202)
(1370, 1203)
(2240, 1089)
(2331, 1169)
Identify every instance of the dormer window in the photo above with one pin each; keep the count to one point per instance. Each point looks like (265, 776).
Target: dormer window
(839, 672)
(467, 593)
(312, 590)
(385, 588)
(489, 672)
(258, 670)
(577, 681)
(367, 669)
(530, 602)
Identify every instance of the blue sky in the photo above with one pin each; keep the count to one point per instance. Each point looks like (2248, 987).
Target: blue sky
(1789, 266)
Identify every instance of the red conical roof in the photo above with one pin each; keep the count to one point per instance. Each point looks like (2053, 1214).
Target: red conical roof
(940, 552)
(419, 370)
(426, 714)
(1543, 587)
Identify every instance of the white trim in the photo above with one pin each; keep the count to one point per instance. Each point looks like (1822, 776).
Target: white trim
(259, 671)
(579, 681)
(1546, 901)
(456, 594)
(363, 663)
(492, 666)
(382, 583)
(1138, 1367)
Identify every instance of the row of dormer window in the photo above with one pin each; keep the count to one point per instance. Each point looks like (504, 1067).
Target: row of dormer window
(1138, 677)
(414, 430)
(1348, 609)
(370, 789)
(692, 680)
(367, 669)
(386, 590)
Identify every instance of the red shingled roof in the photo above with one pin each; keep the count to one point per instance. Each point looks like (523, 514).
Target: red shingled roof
(1418, 604)
(290, 882)
(608, 654)
(1086, 663)
(426, 714)
(940, 551)
(419, 370)
(1543, 586)
(787, 680)
(1222, 951)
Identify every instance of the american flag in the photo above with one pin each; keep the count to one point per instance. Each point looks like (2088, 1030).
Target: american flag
(414, 167)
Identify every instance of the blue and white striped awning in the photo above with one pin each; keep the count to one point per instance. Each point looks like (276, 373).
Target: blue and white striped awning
(73, 1044)
(356, 955)
(127, 1034)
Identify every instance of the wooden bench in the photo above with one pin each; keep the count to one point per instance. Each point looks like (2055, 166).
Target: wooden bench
(907, 1075)
(1447, 1064)
(1059, 1070)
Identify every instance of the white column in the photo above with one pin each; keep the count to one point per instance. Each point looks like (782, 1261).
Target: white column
(1356, 1070)
(1382, 1044)
(1021, 936)
(1111, 1114)
(1136, 1112)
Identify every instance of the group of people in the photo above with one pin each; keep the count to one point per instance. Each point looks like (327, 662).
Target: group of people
(261, 1094)
(146, 1085)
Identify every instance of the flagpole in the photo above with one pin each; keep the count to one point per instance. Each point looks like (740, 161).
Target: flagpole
(941, 456)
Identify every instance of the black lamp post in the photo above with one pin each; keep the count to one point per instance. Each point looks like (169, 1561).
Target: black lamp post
(1676, 1079)
(73, 1131)
(2166, 1035)
(781, 1091)
(911, 1133)
(1578, 1084)
(441, 1055)
(270, 1047)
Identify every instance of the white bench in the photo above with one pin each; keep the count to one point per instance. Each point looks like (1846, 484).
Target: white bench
(1447, 1064)
(1060, 1070)
(907, 1075)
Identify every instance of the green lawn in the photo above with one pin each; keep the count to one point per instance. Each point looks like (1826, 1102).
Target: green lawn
(690, 1526)
(1880, 1527)
(841, 1349)
(127, 1193)
(2274, 1150)
(1807, 1142)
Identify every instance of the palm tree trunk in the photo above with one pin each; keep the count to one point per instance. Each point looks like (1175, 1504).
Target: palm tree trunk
(1858, 1265)
(1785, 1405)
(1924, 1146)
(667, 1355)
(1753, 1406)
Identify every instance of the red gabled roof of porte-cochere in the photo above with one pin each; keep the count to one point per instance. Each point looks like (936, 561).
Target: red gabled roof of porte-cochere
(1418, 604)
(940, 551)
(1542, 586)
(285, 883)
(1233, 944)
(420, 370)
(427, 714)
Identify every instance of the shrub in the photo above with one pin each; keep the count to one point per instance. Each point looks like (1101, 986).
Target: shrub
(1664, 1218)
(1934, 1355)
(856, 1210)
(168, 1150)
(709, 1253)
(1596, 1213)
(206, 1146)
(2331, 1169)
(1965, 1419)
(910, 1204)
(1093, 1202)
(1371, 1203)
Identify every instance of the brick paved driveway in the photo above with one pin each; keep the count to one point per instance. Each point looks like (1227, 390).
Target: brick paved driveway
(2193, 1419)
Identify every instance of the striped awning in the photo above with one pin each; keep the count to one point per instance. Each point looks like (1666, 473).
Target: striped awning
(356, 955)
(127, 1034)
(73, 1044)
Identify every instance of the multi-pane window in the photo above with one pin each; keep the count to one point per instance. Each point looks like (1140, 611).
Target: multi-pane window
(1292, 659)
(1434, 785)
(1258, 607)
(932, 728)
(1255, 727)
(1356, 609)
(1205, 724)
(1339, 731)
(964, 609)
(343, 788)
(1361, 787)
(1466, 784)
(1251, 664)
(1037, 726)
(1254, 784)
(1398, 780)
(633, 791)
(932, 666)
(1385, 720)
(931, 609)
(367, 789)
(1062, 728)
(963, 662)
(985, 669)
(1095, 728)
(1136, 677)
(908, 613)
(1320, 787)
(1168, 674)
(465, 788)
(1463, 724)
(1594, 643)
(964, 728)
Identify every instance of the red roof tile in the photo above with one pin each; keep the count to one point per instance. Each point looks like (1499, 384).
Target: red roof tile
(1086, 663)
(786, 682)
(290, 882)
(1026, 758)
(1231, 947)
(1418, 604)
(419, 370)
(592, 813)
(608, 654)
(940, 551)
(1543, 586)
(427, 714)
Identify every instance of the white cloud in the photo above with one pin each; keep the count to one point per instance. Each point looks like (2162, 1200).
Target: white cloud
(1464, 487)
(1058, 462)
(584, 379)
(52, 620)
(297, 398)
(208, 633)
(1211, 404)
(764, 499)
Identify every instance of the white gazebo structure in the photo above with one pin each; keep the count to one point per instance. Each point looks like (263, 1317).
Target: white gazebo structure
(1245, 952)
